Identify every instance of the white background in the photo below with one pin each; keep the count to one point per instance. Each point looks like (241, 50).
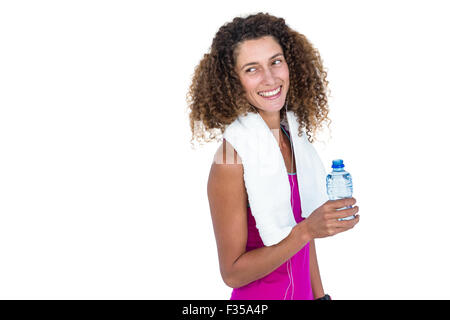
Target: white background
(102, 197)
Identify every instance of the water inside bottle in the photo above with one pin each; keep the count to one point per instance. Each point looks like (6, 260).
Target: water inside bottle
(339, 184)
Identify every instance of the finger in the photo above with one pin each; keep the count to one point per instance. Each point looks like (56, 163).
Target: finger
(341, 225)
(344, 225)
(341, 203)
(345, 213)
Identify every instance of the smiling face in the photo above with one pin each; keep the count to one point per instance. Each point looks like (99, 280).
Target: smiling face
(263, 73)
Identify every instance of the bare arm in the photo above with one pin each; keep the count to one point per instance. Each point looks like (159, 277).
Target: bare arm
(228, 203)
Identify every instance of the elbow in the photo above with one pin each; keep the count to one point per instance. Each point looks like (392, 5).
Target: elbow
(234, 281)
(230, 280)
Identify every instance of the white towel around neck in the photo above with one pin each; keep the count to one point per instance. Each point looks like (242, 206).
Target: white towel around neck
(266, 178)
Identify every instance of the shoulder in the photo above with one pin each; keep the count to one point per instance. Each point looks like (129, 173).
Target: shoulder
(226, 154)
(226, 177)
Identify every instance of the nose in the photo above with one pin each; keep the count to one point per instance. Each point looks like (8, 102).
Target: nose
(269, 77)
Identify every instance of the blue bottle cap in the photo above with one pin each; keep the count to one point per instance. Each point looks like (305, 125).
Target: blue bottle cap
(338, 163)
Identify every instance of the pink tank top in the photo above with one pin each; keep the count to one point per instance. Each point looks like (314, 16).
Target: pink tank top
(290, 281)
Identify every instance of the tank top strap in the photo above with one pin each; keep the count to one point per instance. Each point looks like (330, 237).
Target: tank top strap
(289, 137)
(287, 134)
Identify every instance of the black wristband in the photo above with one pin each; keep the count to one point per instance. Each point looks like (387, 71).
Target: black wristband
(325, 297)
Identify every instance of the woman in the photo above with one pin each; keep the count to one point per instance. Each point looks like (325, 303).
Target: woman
(259, 68)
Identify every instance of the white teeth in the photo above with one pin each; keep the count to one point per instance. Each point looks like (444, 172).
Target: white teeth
(270, 93)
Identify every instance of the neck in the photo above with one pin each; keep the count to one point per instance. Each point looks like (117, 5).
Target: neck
(272, 119)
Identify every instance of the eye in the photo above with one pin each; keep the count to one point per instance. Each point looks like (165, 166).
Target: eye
(279, 61)
(252, 69)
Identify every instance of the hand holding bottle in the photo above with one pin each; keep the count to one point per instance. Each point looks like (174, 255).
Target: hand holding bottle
(324, 221)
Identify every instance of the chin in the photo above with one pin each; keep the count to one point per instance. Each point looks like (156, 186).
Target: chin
(270, 107)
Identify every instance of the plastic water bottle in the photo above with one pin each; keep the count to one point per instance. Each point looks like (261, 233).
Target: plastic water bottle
(339, 184)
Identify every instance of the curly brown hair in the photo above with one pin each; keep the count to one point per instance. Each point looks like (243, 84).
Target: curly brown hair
(216, 97)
